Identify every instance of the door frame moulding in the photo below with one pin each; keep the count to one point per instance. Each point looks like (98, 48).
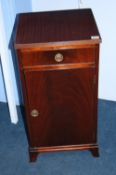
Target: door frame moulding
(6, 72)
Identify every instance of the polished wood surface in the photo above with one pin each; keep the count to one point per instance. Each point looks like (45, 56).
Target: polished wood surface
(60, 98)
(34, 58)
(39, 28)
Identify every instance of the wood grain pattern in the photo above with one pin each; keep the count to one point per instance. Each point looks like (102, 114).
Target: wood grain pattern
(61, 96)
(35, 58)
(54, 27)
(65, 93)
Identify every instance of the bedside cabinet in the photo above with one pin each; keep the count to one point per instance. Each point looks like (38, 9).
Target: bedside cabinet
(58, 55)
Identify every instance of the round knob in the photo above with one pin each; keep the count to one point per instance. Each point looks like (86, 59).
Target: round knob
(34, 113)
(58, 57)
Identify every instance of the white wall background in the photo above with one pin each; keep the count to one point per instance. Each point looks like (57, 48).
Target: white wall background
(105, 15)
(38, 5)
(8, 10)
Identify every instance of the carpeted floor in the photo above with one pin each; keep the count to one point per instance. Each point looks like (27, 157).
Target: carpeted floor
(14, 156)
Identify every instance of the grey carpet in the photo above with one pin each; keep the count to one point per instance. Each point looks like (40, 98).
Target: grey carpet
(14, 149)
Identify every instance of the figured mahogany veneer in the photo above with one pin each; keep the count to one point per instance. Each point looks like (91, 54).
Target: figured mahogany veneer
(36, 58)
(60, 94)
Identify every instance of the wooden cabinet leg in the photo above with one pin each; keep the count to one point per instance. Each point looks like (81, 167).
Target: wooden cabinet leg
(95, 152)
(33, 156)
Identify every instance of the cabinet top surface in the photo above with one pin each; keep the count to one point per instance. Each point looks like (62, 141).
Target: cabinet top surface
(67, 26)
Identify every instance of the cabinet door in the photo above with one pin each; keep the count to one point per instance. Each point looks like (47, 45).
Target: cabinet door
(64, 100)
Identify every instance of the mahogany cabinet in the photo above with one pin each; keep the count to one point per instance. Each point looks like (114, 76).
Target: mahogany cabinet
(58, 56)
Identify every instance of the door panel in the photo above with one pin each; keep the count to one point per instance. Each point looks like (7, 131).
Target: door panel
(64, 99)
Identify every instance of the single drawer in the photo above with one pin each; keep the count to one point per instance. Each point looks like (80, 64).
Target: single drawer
(34, 58)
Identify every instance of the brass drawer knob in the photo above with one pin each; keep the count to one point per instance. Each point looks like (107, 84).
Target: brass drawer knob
(58, 57)
(34, 113)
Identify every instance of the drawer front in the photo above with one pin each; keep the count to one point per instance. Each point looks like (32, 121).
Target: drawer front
(57, 57)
